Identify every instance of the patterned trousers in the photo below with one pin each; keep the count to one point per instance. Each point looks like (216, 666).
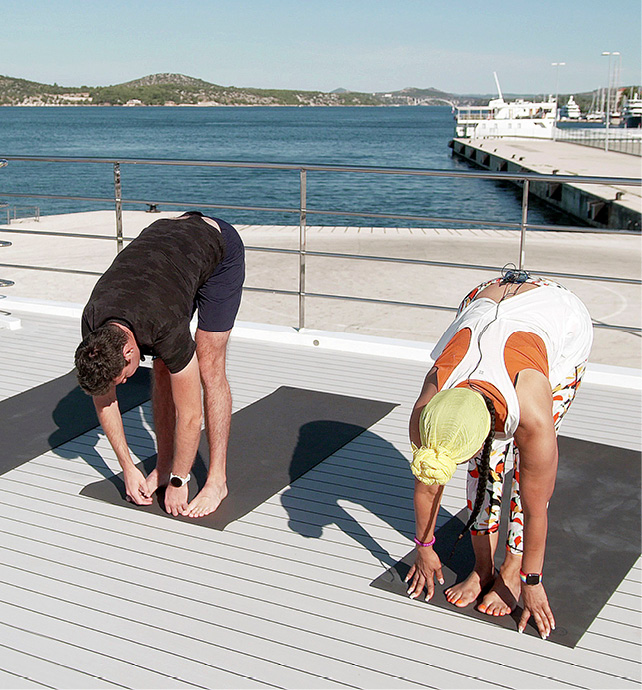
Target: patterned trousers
(503, 451)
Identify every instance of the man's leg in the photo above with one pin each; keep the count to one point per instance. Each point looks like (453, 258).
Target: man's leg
(164, 426)
(218, 301)
(211, 348)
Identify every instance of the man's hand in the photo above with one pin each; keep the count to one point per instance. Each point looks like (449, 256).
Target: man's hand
(426, 566)
(136, 486)
(176, 499)
(536, 605)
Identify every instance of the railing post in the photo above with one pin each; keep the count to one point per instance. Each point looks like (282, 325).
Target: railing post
(6, 320)
(119, 207)
(302, 246)
(522, 240)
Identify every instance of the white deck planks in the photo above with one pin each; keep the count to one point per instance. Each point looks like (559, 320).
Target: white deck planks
(108, 597)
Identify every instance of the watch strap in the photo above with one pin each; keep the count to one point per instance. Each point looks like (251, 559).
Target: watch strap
(530, 578)
(174, 480)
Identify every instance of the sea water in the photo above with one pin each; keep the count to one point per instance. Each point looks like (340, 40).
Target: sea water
(407, 137)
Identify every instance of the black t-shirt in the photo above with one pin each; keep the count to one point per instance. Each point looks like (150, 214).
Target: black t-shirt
(151, 285)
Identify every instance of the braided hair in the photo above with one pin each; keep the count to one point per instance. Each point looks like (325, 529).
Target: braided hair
(483, 470)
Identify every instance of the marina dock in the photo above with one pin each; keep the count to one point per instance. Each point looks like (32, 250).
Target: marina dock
(600, 206)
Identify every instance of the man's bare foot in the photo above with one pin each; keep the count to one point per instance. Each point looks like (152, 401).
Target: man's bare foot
(207, 500)
(503, 595)
(176, 500)
(466, 592)
(154, 480)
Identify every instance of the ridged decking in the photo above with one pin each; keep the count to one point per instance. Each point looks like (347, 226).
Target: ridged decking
(95, 596)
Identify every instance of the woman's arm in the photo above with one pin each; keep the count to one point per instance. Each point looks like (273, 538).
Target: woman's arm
(427, 499)
(428, 390)
(537, 443)
(427, 564)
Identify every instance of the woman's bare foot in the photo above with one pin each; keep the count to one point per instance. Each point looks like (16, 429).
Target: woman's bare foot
(503, 595)
(466, 592)
(207, 500)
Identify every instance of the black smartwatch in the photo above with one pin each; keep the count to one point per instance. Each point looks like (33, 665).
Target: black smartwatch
(177, 481)
(530, 578)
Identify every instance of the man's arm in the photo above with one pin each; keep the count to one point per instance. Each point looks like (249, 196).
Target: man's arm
(186, 394)
(111, 421)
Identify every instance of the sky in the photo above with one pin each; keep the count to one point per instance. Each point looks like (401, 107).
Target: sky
(359, 45)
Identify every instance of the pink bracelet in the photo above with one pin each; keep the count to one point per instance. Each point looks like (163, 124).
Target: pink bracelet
(428, 543)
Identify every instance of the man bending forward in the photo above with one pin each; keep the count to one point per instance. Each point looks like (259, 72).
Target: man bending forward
(142, 305)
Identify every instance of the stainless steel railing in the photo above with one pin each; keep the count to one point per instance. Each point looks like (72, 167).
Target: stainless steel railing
(3, 243)
(618, 140)
(303, 212)
(3, 282)
(21, 212)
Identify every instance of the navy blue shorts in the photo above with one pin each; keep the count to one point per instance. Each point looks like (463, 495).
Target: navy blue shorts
(219, 298)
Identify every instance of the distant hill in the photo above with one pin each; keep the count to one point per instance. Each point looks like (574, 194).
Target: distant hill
(168, 89)
(16, 91)
(180, 89)
(431, 92)
(167, 78)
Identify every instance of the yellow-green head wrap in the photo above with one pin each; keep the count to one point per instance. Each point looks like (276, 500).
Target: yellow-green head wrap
(453, 427)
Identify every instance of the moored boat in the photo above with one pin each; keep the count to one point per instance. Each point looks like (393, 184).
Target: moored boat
(632, 112)
(570, 111)
(519, 118)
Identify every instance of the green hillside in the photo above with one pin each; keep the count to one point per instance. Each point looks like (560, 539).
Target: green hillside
(14, 91)
(179, 89)
(168, 89)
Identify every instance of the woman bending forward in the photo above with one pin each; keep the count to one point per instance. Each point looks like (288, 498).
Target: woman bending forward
(505, 373)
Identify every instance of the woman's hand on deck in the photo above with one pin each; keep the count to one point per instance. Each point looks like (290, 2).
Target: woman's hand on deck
(422, 573)
(536, 605)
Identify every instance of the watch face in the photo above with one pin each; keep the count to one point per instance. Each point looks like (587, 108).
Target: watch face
(533, 579)
(176, 481)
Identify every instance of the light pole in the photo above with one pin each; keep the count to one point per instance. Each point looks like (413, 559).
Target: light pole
(557, 66)
(616, 78)
(608, 99)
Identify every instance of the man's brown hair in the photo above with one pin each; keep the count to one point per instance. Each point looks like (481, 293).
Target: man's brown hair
(100, 359)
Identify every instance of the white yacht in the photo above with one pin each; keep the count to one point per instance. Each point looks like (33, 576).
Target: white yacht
(499, 118)
(570, 111)
(632, 112)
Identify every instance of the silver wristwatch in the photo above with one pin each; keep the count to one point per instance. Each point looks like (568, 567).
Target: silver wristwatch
(177, 481)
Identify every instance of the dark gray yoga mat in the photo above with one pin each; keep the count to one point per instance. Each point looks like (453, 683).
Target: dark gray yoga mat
(272, 442)
(55, 412)
(593, 541)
